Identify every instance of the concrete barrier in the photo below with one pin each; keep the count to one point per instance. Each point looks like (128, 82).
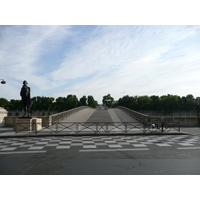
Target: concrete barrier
(10, 121)
(46, 120)
(183, 121)
(138, 116)
(3, 114)
(27, 124)
(59, 116)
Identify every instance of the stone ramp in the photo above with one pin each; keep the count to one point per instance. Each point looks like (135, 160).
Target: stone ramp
(113, 115)
(81, 116)
(123, 116)
(100, 116)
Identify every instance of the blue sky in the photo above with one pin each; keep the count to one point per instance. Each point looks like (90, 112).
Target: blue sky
(96, 60)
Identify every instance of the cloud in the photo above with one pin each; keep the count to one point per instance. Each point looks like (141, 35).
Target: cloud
(118, 45)
(138, 60)
(22, 46)
(97, 60)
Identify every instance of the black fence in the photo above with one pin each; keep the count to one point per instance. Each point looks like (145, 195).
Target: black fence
(98, 128)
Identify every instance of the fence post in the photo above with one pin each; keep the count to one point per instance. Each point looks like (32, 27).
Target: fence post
(125, 124)
(107, 127)
(76, 127)
(162, 126)
(144, 128)
(96, 127)
(57, 127)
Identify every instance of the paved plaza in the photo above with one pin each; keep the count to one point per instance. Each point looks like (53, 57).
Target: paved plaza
(98, 143)
(106, 154)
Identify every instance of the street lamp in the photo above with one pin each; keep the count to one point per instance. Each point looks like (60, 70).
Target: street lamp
(2, 81)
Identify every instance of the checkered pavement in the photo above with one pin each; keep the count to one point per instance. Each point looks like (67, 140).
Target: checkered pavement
(97, 142)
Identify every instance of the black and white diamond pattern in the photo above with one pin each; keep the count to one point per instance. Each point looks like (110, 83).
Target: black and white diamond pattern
(96, 142)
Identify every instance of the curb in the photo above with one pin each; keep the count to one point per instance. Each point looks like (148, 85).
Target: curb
(94, 135)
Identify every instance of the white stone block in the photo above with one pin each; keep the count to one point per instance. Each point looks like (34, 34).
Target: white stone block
(3, 113)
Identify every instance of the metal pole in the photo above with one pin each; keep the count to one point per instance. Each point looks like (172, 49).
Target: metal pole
(96, 127)
(76, 127)
(162, 125)
(144, 127)
(106, 127)
(56, 126)
(125, 124)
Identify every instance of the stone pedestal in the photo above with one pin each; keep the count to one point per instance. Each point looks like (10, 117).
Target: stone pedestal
(28, 124)
(36, 124)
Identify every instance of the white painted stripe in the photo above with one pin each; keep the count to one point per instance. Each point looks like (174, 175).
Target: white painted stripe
(21, 152)
(181, 148)
(103, 150)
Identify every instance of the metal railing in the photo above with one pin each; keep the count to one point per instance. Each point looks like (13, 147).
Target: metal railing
(93, 128)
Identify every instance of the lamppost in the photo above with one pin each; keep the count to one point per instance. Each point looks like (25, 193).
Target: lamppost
(2, 81)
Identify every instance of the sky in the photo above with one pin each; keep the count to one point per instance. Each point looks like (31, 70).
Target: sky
(95, 53)
(57, 60)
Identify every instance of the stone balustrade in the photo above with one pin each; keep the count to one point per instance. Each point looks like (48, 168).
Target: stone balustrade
(182, 121)
(46, 120)
(137, 115)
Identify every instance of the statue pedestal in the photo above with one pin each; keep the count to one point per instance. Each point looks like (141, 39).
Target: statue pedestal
(27, 124)
(36, 124)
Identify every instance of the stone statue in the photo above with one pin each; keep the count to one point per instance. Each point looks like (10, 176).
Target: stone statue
(26, 98)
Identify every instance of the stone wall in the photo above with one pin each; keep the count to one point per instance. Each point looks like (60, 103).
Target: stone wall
(182, 120)
(3, 114)
(10, 121)
(137, 115)
(46, 120)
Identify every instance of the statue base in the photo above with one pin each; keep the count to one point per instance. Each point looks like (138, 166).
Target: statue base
(25, 117)
(27, 124)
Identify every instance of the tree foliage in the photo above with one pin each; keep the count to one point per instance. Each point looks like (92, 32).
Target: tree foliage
(83, 101)
(4, 103)
(50, 103)
(91, 102)
(166, 103)
(108, 100)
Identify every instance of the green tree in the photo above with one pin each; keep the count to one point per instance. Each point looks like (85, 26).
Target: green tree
(129, 102)
(91, 102)
(190, 102)
(108, 100)
(15, 104)
(4, 103)
(170, 103)
(83, 101)
(42, 103)
(71, 102)
(155, 103)
(60, 103)
(144, 103)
